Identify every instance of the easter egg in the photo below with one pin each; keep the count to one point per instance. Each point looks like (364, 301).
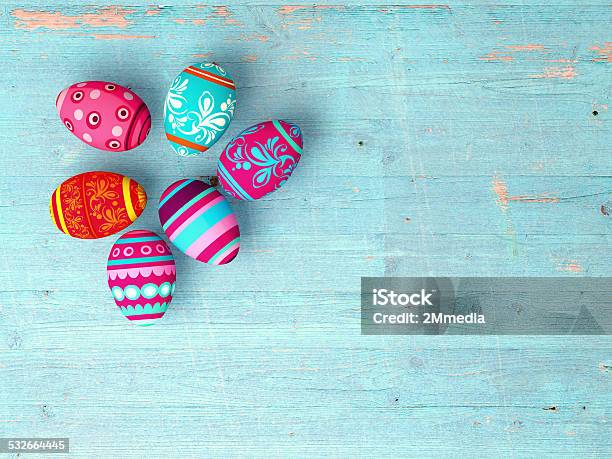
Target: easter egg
(199, 221)
(104, 115)
(199, 108)
(260, 159)
(96, 204)
(141, 276)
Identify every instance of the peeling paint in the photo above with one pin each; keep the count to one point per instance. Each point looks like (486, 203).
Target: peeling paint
(534, 198)
(565, 73)
(118, 36)
(153, 11)
(253, 37)
(225, 12)
(290, 9)
(503, 198)
(232, 21)
(526, 47)
(495, 57)
(563, 61)
(300, 55)
(572, 266)
(110, 16)
(413, 7)
(222, 11)
(604, 51)
(202, 55)
(189, 21)
(501, 191)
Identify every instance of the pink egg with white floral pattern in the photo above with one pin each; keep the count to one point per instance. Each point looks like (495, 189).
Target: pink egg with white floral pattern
(104, 115)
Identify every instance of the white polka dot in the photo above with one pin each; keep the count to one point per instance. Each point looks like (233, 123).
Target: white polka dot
(117, 131)
(78, 114)
(149, 291)
(80, 85)
(128, 95)
(164, 289)
(94, 94)
(118, 293)
(87, 137)
(131, 292)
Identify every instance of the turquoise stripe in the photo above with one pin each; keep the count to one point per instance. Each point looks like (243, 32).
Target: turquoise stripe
(140, 309)
(237, 188)
(178, 213)
(131, 261)
(176, 190)
(280, 129)
(202, 224)
(138, 239)
(220, 252)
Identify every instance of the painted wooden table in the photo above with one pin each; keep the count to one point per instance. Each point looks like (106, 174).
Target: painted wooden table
(441, 139)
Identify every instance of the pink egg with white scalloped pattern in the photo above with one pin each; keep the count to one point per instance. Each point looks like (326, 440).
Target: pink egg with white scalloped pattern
(104, 115)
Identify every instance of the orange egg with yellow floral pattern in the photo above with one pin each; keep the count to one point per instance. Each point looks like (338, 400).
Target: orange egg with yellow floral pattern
(96, 204)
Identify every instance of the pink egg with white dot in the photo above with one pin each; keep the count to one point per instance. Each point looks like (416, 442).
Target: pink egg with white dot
(104, 115)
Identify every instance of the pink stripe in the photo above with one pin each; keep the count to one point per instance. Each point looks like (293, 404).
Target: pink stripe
(228, 252)
(210, 236)
(137, 233)
(170, 188)
(157, 315)
(191, 218)
(115, 275)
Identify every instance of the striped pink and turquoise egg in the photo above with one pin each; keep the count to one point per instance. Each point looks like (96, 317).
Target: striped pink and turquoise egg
(200, 222)
(142, 276)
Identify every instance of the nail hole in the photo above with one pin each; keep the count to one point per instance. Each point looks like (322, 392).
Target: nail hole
(360, 143)
(595, 113)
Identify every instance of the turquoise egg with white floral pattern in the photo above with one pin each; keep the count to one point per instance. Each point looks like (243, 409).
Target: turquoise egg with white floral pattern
(199, 108)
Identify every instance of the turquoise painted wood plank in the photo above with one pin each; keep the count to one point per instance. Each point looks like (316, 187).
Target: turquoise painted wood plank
(445, 139)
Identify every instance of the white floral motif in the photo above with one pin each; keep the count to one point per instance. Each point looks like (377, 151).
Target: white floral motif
(176, 104)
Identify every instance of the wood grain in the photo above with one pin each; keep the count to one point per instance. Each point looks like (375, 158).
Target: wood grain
(440, 139)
